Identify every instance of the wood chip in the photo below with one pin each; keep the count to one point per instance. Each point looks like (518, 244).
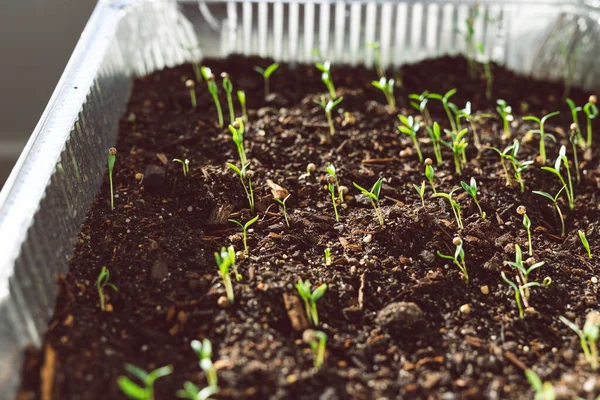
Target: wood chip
(513, 359)
(295, 311)
(163, 159)
(47, 373)
(377, 160)
(277, 191)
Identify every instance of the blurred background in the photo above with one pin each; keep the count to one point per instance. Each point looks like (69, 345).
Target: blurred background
(36, 40)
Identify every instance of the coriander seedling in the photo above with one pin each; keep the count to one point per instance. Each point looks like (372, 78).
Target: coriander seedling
(328, 259)
(328, 108)
(284, 207)
(244, 174)
(112, 157)
(588, 337)
(458, 145)
(584, 242)
(518, 289)
(435, 135)
(266, 74)
(190, 84)
(228, 88)
(145, 392)
(591, 112)
(510, 153)
(471, 118)
(421, 191)
(193, 392)
(471, 189)
(310, 299)
(225, 260)
(446, 104)
(454, 205)
(185, 165)
(419, 103)
(554, 201)
(523, 273)
(204, 352)
(574, 110)
(542, 132)
(562, 159)
(325, 68)
(373, 196)
(387, 87)
(543, 391)
(410, 127)
(487, 70)
(237, 135)
(377, 56)
(521, 210)
(574, 139)
(101, 282)
(430, 173)
(242, 99)
(213, 89)
(317, 341)
(245, 231)
(332, 182)
(505, 112)
(458, 258)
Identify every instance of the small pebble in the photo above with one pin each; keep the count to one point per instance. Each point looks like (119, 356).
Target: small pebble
(594, 280)
(139, 176)
(485, 289)
(465, 309)
(223, 302)
(368, 238)
(190, 209)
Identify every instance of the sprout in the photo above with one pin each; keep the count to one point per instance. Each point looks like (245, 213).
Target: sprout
(574, 139)
(266, 74)
(542, 132)
(193, 392)
(146, 392)
(517, 289)
(471, 189)
(244, 230)
(387, 87)
(282, 204)
(226, 259)
(332, 181)
(489, 78)
(310, 299)
(244, 173)
(204, 352)
(562, 159)
(458, 258)
(510, 153)
(554, 201)
(328, 108)
(430, 173)
(543, 391)
(591, 112)
(419, 103)
(421, 191)
(458, 145)
(112, 157)
(411, 127)
(190, 85)
(446, 104)
(317, 341)
(377, 56)
(328, 259)
(505, 112)
(454, 205)
(373, 196)
(213, 89)
(228, 87)
(101, 283)
(585, 242)
(588, 338)
(467, 114)
(435, 135)
(325, 69)
(521, 210)
(574, 110)
(523, 283)
(237, 134)
(185, 165)
(242, 99)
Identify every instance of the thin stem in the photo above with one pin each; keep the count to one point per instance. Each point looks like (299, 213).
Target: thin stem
(244, 113)
(449, 114)
(488, 79)
(571, 200)
(593, 355)
(219, 111)
(562, 220)
(112, 201)
(542, 143)
(193, 97)
(228, 287)
(330, 122)
(417, 148)
(506, 127)
(266, 87)
(231, 111)
(337, 217)
(589, 133)
(506, 175)
(476, 141)
(245, 241)
(529, 240)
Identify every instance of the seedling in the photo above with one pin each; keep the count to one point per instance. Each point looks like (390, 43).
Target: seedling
(328, 108)
(145, 392)
(505, 112)
(266, 74)
(471, 189)
(562, 159)
(213, 89)
(542, 132)
(458, 258)
(574, 110)
(377, 56)
(517, 289)
(204, 352)
(435, 135)
(190, 84)
(228, 87)
(419, 103)
(588, 337)
(325, 68)
(387, 87)
(585, 242)
(521, 210)
(421, 191)
(225, 260)
(373, 196)
(458, 145)
(591, 112)
(112, 157)
(237, 134)
(244, 174)
(411, 127)
(489, 78)
(574, 139)
(543, 391)
(446, 104)
(328, 259)
(523, 274)
(185, 165)
(193, 392)
(101, 282)
(554, 200)
(468, 114)
(332, 182)
(510, 153)
(282, 204)
(454, 205)
(310, 299)
(245, 231)
(430, 173)
(242, 99)
(317, 341)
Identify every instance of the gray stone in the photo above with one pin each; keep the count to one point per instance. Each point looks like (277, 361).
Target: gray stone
(400, 316)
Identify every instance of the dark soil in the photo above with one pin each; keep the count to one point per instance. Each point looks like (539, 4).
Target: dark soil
(160, 240)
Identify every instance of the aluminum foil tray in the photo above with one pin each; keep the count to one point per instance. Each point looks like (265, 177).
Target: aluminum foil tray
(56, 178)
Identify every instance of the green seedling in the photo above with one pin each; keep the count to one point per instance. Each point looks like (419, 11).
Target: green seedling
(317, 341)
(242, 99)
(588, 337)
(471, 189)
(266, 74)
(510, 154)
(237, 134)
(458, 145)
(185, 165)
(562, 159)
(328, 108)
(332, 182)
(458, 258)
(454, 205)
(421, 191)
(225, 260)
(436, 140)
(446, 104)
(543, 391)
(467, 114)
(145, 392)
(204, 352)
(487, 70)
(284, 207)
(521, 210)
(574, 110)
(101, 282)
(591, 112)
(310, 299)
(523, 274)
(410, 127)
(518, 290)
(213, 89)
(328, 259)
(244, 174)
(387, 87)
(193, 392)
(377, 56)
(505, 112)
(470, 39)
(419, 103)
(543, 135)
(244, 231)
(574, 139)
(430, 173)
(228, 88)
(554, 201)
(584, 242)
(373, 196)
(325, 68)
(190, 84)
(112, 157)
